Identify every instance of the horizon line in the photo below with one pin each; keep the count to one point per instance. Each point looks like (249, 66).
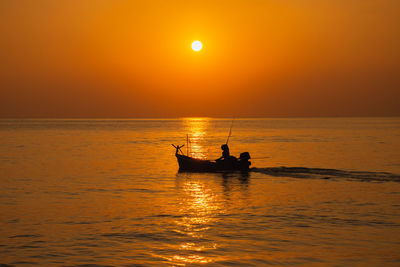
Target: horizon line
(189, 117)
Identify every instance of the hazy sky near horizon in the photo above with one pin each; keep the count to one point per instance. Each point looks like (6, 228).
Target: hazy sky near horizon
(260, 58)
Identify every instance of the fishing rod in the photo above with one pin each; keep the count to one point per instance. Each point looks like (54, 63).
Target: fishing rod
(230, 132)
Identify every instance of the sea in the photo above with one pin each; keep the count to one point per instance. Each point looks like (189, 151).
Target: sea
(108, 192)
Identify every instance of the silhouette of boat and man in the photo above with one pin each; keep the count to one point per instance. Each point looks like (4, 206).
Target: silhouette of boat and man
(224, 163)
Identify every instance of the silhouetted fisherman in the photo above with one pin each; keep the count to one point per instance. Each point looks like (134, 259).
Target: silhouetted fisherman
(225, 152)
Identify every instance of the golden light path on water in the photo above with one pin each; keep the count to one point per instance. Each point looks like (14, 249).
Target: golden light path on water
(201, 206)
(200, 202)
(197, 131)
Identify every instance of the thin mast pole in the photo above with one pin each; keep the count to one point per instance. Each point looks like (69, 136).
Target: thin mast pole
(187, 144)
(230, 132)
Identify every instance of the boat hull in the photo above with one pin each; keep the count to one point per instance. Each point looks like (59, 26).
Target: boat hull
(199, 165)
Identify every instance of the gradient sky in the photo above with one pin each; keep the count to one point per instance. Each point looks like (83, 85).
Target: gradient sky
(260, 58)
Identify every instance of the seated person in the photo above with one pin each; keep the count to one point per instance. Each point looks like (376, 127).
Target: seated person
(225, 152)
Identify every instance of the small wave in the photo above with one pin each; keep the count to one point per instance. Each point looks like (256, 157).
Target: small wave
(303, 172)
(24, 236)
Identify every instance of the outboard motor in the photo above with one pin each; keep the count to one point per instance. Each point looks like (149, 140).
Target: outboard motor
(244, 160)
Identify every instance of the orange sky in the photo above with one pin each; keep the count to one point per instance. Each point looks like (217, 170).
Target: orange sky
(260, 58)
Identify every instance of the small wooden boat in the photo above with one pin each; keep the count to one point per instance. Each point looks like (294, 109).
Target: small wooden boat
(190, 164)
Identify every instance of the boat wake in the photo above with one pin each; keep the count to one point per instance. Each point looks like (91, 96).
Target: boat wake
(303, 172)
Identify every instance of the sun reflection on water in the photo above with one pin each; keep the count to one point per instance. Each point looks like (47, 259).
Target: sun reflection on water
(200, 206)
(197, 129)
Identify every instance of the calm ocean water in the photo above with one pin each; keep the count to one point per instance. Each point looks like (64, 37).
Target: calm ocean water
(108, 193)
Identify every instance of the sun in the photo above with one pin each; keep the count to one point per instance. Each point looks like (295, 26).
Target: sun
(197, 46)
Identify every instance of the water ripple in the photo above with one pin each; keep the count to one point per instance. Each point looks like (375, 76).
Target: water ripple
(303, 172)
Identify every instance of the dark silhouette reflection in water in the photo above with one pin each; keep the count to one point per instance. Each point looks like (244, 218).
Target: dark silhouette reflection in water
(228, 180)
(205, 202)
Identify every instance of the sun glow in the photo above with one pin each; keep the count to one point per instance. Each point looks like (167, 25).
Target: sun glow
(197, 45)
